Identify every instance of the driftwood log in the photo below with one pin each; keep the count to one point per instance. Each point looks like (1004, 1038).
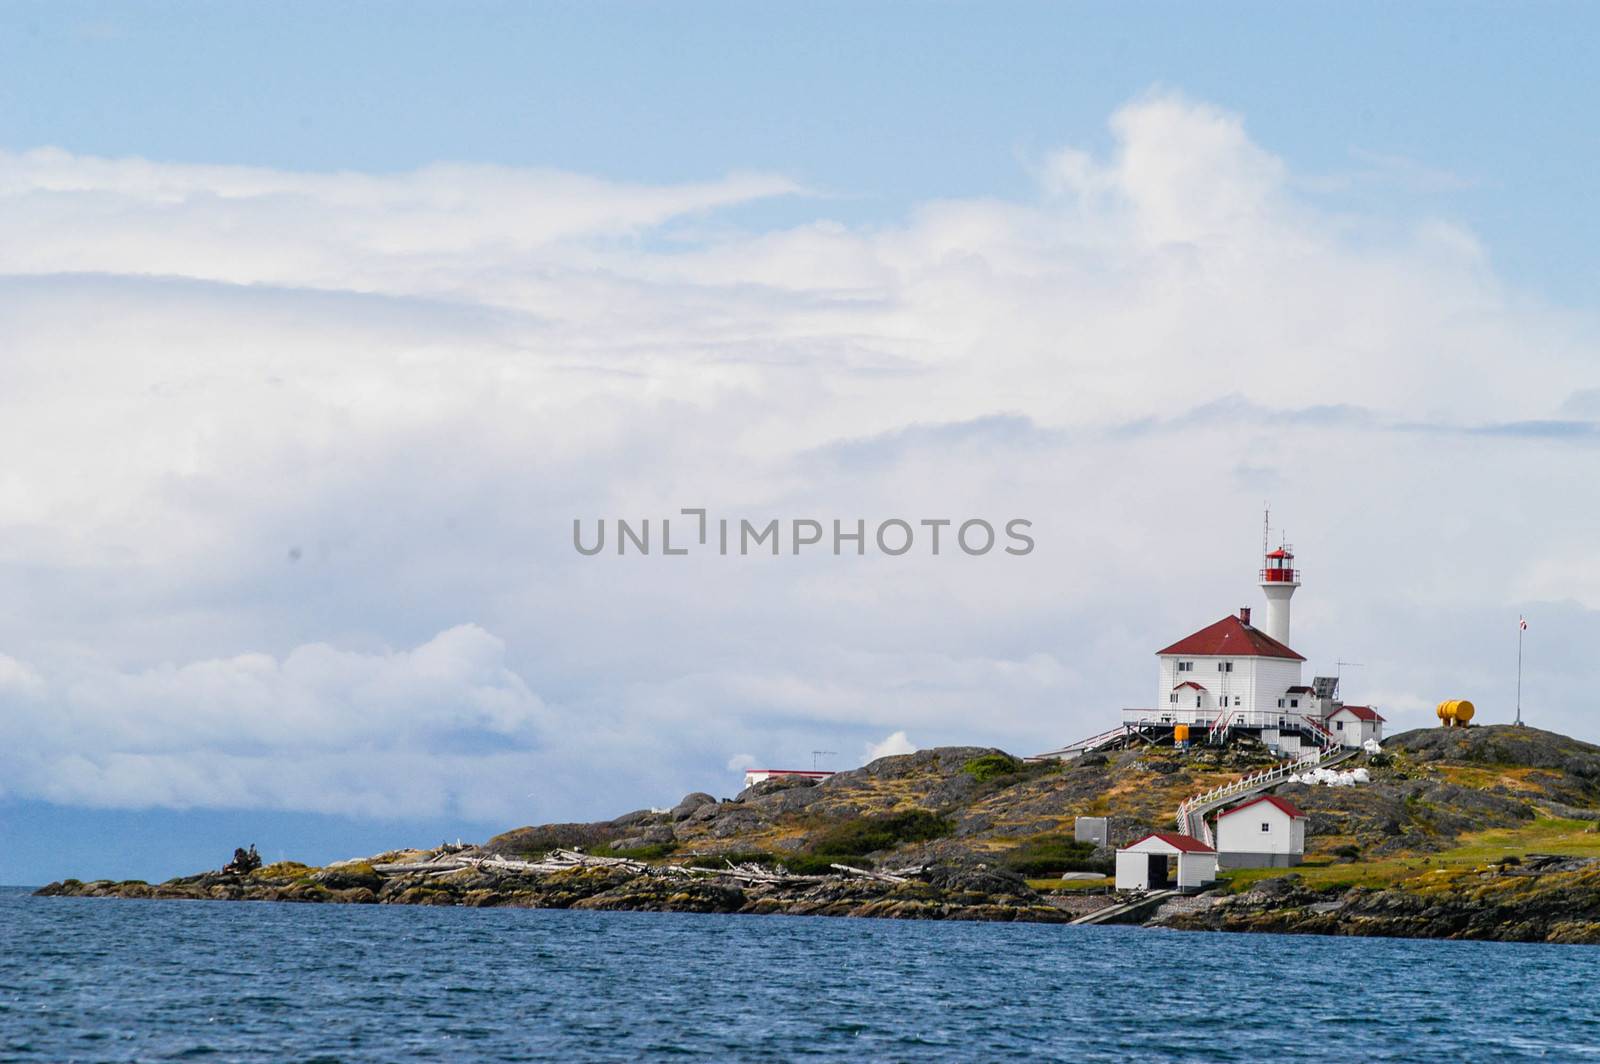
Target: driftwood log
(446, 863)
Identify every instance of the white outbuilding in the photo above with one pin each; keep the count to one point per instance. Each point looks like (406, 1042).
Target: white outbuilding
(1164, 860)
(1354, 725)
(753, 776)
(1265, 832)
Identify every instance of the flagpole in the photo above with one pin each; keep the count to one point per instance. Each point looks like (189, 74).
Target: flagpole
(1522, 626)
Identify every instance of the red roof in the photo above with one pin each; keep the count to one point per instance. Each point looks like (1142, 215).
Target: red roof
(1279, 553)
(1271, 799)
(1181, 842)
(790, 772)
(1231, 638)
(1302, 689)
(1188, 683)
(1361, 712)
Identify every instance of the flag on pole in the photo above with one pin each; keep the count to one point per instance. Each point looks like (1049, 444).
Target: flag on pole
(1522, 622)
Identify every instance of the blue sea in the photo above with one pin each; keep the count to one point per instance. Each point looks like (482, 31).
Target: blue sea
(113, 980)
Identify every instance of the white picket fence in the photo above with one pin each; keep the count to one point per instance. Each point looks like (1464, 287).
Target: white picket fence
(1192, 811)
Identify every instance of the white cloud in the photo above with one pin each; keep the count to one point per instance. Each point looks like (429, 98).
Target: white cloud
(895, 743)
(269, 426)
(322, 729)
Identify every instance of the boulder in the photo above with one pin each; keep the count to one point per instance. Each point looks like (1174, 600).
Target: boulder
(690, 803)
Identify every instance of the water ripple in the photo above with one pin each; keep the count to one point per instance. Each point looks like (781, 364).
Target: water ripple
(102, 980)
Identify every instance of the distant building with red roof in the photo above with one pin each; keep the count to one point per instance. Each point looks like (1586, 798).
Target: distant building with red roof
(1355, 725)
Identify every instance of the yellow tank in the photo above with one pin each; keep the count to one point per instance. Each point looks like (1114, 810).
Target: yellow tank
(1464, 712)
(1455, 713)
(1180, 733)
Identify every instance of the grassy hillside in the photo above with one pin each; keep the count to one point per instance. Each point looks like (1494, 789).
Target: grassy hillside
(942, 805)
(1441, 796)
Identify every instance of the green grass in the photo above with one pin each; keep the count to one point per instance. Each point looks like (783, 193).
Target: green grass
(648, 852)
(1045, 855)
(991, 766)
(738, 857)
(870, 834)
(805, 864)
(1068, 886)
(1478, 849)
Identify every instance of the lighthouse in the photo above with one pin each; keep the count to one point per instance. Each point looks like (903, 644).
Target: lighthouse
(1279, 579)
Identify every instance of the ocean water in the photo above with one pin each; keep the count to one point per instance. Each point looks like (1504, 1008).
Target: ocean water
(112, 980)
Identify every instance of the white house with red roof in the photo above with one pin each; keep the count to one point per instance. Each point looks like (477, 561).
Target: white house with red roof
(1264, 832)
(1227, 670)
(1354, 725)
(1163, 860)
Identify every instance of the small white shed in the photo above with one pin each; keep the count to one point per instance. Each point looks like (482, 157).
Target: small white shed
(1354, 725)
(1265, 832)
(1149, 863)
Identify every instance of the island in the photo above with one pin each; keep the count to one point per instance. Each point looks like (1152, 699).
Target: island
(1486, 832)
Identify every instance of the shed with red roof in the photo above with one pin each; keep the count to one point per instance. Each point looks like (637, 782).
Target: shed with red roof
(1163, 860)
(1264, 832)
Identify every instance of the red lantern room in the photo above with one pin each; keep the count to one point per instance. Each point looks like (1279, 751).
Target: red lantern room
(1280, 567)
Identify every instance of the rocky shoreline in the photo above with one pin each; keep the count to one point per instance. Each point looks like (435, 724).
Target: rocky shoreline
(949, 893)
(1555, 900)
(1550, 899)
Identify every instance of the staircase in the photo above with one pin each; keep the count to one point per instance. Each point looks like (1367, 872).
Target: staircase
(1192, 812)
(1220, 725)
(1121, 733)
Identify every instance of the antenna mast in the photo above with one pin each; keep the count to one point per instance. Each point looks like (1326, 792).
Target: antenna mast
(1339, 669)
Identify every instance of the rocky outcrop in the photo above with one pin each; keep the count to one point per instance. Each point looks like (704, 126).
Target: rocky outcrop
(1554, 900)
(692, 804)
(954, 894)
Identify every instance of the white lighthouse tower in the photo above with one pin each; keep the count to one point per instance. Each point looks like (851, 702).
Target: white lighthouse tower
(1279, 579)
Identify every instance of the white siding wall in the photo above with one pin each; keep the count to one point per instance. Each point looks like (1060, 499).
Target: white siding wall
(1196, 869)
(1275, 677)
(1355, 731)
(1133, 871)
(1241, 832)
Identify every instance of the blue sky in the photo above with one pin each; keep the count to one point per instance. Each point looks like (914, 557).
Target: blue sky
(321, 325)
(1482, 112)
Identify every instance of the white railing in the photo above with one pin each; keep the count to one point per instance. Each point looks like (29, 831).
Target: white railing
(1083, 746)
(1198, 806)
(1221, 723)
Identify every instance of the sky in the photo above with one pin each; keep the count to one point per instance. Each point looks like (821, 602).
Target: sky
(318, 330)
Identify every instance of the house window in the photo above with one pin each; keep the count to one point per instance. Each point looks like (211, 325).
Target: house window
(1265, 826)
(1294, 703)
(1196, 701)
(1185, 666)
(1282, 702)
(1173, 697)
(1238, 700)
(1224, 666)
(1338, 725)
